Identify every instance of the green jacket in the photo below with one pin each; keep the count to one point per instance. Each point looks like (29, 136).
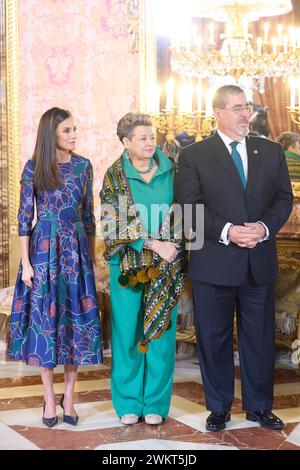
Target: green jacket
(159, 191)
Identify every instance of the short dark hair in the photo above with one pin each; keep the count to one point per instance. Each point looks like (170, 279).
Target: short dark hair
(127, 124)
(221, 94)
(288, 139)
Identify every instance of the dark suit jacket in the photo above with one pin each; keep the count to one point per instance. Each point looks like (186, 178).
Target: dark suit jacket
(207, 175)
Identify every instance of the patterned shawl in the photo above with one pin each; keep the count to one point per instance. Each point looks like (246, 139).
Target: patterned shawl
(163, 282)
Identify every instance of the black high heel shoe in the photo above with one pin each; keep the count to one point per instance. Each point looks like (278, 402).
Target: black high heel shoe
(66, 418)
(49, 422)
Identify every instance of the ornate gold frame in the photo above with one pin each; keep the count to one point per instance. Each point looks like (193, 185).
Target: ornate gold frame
(13, 109)
(141, 26)
(147, 51)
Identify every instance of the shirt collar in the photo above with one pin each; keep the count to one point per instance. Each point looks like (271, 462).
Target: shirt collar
(164, 164)
(227, 140)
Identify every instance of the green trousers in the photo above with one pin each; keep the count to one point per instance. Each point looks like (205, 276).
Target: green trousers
(141, 383)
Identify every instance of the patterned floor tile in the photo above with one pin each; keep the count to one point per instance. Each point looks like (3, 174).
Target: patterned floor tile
(21, 400)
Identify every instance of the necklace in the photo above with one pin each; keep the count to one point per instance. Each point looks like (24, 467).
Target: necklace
(142, 172)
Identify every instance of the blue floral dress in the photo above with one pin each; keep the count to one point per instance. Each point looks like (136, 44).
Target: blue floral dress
(57, 320)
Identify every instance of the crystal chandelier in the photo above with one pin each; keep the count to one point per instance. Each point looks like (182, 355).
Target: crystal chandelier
(270, 56)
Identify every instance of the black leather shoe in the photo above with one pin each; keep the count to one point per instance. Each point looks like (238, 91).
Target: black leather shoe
(49, 422)
(265, 418)
(217, 420)
(73, 420)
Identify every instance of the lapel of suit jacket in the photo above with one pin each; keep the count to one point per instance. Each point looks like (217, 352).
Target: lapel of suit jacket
(253, 161)
(221, 153)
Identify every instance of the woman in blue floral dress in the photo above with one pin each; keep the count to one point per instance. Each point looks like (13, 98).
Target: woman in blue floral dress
(55, 315)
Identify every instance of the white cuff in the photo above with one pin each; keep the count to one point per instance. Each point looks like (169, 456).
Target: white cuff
(224, 235)
(267, 232)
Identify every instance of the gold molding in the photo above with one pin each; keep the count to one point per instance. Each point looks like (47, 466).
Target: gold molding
(147, 52)
(141, 25)
(132, 10)
(296, 188)
(13, 109)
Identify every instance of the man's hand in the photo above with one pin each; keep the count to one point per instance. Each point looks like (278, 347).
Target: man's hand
(247, 235)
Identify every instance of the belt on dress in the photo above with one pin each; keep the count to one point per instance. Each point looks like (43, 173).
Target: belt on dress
(56, 219)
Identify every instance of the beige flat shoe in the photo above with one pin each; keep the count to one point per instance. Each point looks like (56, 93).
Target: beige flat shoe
(153, 419)
(129, 419)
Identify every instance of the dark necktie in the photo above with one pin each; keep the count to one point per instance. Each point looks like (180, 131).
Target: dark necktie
(236, 157)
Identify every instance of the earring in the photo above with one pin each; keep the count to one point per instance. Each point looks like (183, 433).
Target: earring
(127, 156)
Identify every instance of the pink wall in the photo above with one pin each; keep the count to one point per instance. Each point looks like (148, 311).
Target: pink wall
(75, 54)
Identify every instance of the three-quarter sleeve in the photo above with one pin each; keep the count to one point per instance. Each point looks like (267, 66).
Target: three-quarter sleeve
(88, 203)
(26, 209)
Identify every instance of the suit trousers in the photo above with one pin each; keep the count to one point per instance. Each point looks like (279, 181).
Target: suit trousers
(141, 383)
(214, 308)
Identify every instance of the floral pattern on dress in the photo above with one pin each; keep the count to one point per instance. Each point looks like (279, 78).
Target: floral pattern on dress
(57, 320)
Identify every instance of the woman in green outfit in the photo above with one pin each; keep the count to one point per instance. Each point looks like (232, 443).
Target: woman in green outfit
(145, 254)
(290, 142)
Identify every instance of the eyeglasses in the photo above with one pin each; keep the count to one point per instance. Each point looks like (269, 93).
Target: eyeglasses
(238, 109)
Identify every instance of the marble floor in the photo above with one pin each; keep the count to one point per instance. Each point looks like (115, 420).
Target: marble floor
(21, 399)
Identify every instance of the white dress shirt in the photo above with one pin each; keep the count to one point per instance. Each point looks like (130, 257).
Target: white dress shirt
(242, 149)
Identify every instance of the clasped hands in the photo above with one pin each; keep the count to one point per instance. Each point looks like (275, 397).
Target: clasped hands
(247, 235)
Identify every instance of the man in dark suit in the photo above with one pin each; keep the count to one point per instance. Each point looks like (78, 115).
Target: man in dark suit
(244, 185)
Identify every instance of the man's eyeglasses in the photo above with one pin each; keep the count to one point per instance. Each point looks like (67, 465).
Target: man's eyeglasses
(238, 109)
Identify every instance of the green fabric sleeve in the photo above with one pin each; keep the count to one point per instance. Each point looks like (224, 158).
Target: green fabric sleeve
(138, 244)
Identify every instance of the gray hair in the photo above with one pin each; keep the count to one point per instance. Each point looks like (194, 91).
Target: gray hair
(127, 124)
(288, 139)
(221, 95)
